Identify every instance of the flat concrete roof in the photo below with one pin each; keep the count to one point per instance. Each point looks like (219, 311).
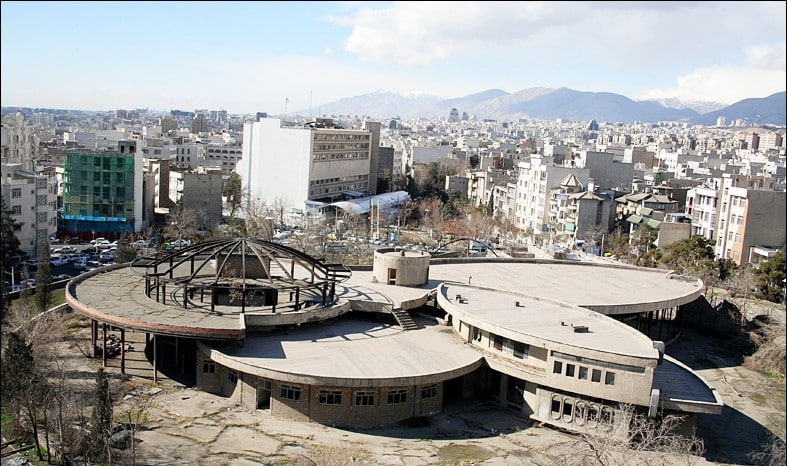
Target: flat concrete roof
(550, 321)
(356, 353)
(603, 288)
(116, 295)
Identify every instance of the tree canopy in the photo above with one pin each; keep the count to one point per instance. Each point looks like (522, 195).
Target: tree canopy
(771, 278)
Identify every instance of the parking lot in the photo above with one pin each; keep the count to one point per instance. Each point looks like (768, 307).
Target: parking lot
(65, 263)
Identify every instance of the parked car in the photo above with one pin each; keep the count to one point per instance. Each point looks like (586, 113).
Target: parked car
(103, 244)
(66, 249)
(62, 276)
(140, 243)
(107, 256)
(57, 261)
(32, 262)
(98, 240)
(80, 264)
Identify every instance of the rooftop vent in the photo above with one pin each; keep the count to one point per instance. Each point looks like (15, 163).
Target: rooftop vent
(580, 329)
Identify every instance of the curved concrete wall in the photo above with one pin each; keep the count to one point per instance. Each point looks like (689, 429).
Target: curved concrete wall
(401, 267)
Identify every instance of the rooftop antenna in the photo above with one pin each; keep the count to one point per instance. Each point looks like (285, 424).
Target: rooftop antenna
(286, 101)
(310, 104)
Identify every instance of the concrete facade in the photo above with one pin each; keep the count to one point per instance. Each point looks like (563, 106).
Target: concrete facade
(377, 353)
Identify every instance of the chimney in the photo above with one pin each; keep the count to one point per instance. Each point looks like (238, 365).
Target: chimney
(591, 185)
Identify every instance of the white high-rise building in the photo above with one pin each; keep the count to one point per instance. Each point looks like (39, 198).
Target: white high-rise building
(308, 165)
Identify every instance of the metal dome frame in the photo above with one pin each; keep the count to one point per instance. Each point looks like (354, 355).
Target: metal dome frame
(264, 269)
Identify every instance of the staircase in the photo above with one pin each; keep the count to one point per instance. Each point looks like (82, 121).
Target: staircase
(404, 319)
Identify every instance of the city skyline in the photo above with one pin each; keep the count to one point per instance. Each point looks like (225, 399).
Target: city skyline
(275, 57)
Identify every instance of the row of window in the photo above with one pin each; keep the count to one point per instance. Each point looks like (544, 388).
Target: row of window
(582, 373)
(362, 398)
(339, 137)
(345, 155)
(333, 397)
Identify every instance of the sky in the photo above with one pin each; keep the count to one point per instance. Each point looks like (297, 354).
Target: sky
(279, 57)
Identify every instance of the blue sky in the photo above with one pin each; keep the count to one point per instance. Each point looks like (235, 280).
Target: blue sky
(245, 57)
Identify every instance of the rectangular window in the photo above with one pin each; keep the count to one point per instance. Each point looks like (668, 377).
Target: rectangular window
(16, 210)
(583, 373)
(232, 376)
(596, 376)
(428, 391)
(396, 397)
(364, 399)
(609, 378)
(521, 350)
(558, 368)
(570, 370)
(16, 192)
(498, 343)
(208, 367)
(476, 334)
(288, 392)
(329, 397)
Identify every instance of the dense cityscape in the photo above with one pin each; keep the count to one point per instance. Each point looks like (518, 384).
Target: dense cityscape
(626, 231)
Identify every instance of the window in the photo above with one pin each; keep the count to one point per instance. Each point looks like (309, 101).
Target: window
(16, 210)
(477, 334)
(364, 399)
(288, 392)
(397, 397)
(596, 376)
(498, 343)
(609, 378)
(208, 367)
(521, 350)
(428, 391)
(16, 192)
(329, 397)
(232, 376)
(558, 369)
(583, 373)
(570, 370)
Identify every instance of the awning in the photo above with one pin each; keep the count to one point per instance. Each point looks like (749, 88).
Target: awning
(634, 219)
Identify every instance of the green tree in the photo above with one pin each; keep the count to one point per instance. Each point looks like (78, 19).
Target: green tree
(232, 192)
(689, 256)
(100, 438)
(474, 161)
(9, 243)
(43, 293)
(771, 278)
(126, 251)
(22, 389)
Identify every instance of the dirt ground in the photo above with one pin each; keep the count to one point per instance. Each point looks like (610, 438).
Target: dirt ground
(185, 426)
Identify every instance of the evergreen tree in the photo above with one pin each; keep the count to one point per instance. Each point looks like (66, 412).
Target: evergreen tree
(126, 252)
(17, 372)
(771, 278)
(43, 294)
(232, 192)
(100, 439)
(9, 244)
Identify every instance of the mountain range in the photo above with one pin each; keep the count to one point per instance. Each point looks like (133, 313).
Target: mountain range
(548, 104)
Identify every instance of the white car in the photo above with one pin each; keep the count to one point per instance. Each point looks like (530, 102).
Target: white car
(57, 261)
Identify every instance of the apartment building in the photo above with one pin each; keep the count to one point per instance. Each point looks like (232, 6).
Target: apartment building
(102, 191)
(199, 191)
(32, 200)
(308, 165)
(750, 220)
(536, 178)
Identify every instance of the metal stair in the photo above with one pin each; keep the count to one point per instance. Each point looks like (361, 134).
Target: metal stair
(404, 319)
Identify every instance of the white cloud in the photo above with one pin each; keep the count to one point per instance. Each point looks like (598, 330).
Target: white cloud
(763, 74)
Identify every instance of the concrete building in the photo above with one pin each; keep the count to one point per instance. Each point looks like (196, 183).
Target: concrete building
(32, 200)
(18, 142)
(102, 192)
(750, 219)
(360, 350)
(536, 178)
(199, 191)
(308, 165)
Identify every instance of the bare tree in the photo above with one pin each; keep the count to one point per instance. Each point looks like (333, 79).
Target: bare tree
(181, 224)
(258, 220)
(634, 439)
